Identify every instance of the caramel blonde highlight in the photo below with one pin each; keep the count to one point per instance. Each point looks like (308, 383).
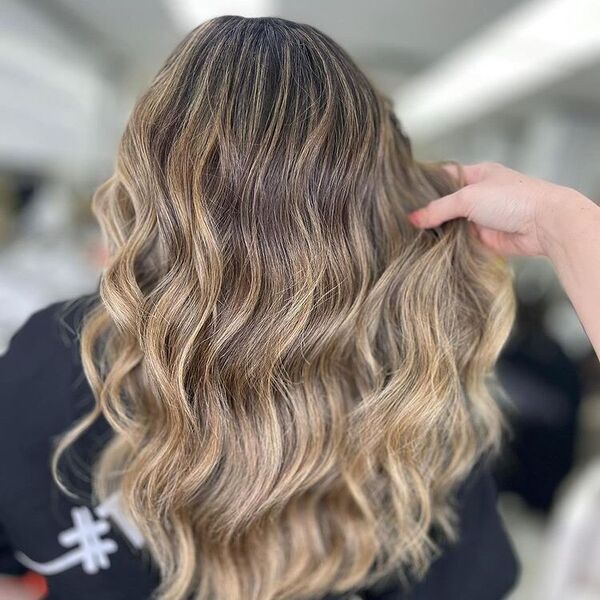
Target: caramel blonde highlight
(297, 378)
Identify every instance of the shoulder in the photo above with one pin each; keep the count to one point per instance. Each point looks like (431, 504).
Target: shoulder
(41, 371)
(48, 334)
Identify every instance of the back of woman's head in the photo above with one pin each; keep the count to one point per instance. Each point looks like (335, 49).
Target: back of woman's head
(297, 378)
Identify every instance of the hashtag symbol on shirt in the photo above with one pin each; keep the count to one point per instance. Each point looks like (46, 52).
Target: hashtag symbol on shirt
(90, 549)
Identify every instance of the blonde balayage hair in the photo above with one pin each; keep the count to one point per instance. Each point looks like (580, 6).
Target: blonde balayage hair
(296, 377)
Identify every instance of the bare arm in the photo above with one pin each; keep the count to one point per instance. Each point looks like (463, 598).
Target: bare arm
(516, 214)
(574, 248)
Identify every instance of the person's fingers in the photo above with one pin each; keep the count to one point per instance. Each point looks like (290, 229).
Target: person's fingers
(476, 172)
(498, 241)
(473, 173)
(453, 169)
(475, 230)
(441, 210)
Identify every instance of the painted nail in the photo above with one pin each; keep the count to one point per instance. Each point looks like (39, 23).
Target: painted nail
(415, 218)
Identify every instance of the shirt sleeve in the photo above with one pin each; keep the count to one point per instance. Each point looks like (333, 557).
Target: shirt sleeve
(27, 410)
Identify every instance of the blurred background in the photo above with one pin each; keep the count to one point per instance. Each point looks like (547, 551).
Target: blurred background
(505, 80)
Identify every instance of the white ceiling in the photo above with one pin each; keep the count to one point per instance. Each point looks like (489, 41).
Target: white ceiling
(397, 36)
(392, 39)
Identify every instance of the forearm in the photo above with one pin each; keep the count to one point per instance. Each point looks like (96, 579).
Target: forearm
(572, 230)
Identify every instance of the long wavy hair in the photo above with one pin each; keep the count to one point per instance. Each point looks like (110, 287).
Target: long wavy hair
(297, 378)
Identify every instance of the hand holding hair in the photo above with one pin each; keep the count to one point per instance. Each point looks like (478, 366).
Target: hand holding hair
(512, 213)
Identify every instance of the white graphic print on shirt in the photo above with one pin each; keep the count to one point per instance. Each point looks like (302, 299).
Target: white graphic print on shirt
(89, 548)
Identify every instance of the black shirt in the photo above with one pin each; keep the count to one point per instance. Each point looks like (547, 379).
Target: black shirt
(86, 551)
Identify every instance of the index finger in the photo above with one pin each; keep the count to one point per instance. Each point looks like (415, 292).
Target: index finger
(443, 209)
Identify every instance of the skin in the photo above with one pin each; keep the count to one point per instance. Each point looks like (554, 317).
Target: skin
(11, 588)
(513, 214)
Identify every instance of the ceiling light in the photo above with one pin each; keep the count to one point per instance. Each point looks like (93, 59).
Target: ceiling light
(190, 13)
(534, 45)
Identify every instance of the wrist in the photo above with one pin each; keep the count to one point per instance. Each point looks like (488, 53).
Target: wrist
(565, 218)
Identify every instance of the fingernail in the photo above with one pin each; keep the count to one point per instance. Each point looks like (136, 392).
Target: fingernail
(415, 218)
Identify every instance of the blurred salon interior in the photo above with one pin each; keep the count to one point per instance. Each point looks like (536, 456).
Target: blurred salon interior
(512, 81)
